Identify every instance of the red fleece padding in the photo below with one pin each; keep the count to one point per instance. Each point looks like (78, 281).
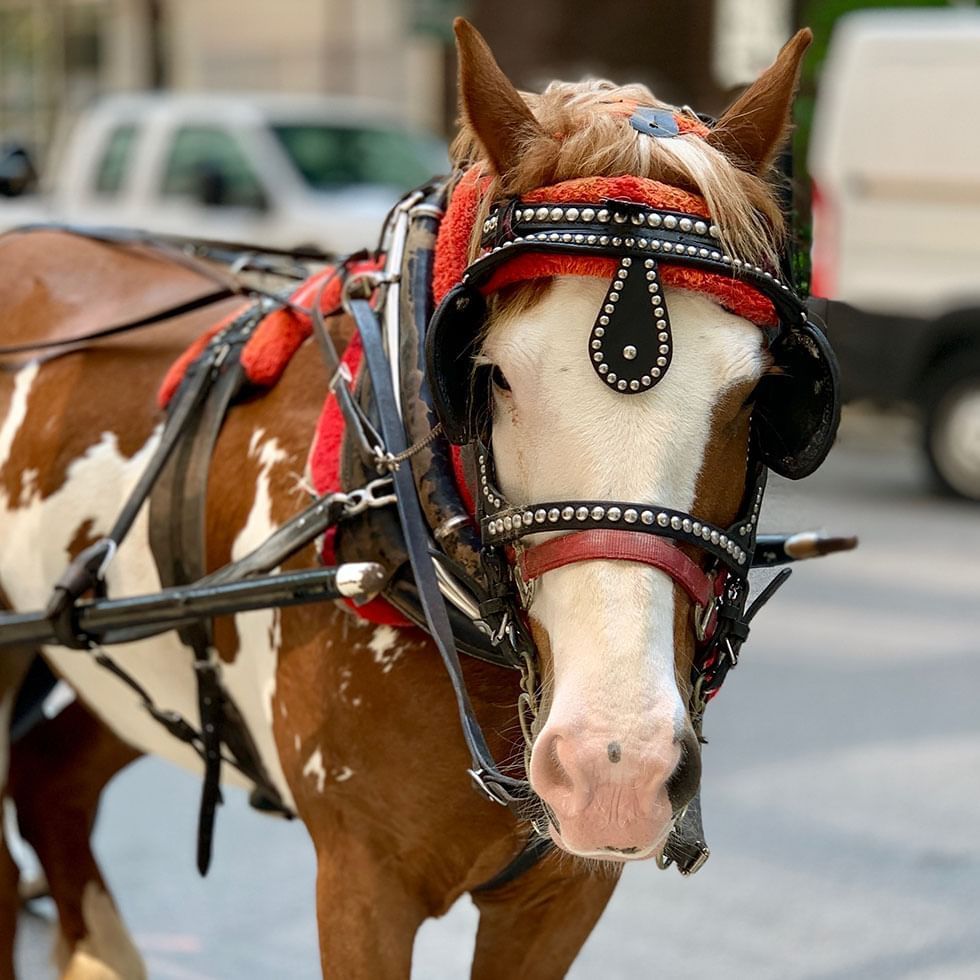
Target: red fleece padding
(277, 338)
(734, 295)
(452, 246)
(324, 466)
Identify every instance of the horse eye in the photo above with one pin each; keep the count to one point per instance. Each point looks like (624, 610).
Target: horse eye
(499, 380)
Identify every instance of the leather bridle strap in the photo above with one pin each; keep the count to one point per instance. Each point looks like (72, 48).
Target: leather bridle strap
(613, 545)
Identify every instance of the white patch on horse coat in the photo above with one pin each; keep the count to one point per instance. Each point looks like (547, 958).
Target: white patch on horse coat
(17, 411)
(96, 487)
(384, 645)
(562, 434)
(314, 767)
(107, 952)
(343, 774)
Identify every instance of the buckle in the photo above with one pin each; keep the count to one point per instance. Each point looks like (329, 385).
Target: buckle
(493, 791)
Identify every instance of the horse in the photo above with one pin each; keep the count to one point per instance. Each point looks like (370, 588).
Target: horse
(352, 719)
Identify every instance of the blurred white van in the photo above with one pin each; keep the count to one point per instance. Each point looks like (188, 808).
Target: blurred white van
(277, 170)
(895, 161)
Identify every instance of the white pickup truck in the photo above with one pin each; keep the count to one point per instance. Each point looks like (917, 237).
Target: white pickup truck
(277, 170)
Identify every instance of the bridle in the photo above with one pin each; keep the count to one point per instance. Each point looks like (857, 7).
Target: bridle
(631, 349)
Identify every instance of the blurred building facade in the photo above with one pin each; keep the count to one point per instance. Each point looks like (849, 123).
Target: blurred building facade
(57, 55)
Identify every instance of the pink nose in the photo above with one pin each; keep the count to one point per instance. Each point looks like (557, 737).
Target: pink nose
(605, 794)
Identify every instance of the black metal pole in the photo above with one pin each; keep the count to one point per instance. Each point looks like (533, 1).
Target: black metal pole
(175, 606)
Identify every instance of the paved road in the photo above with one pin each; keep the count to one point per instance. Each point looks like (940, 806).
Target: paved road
(841, 790)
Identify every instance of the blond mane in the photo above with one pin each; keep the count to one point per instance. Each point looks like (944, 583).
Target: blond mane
(588, 137)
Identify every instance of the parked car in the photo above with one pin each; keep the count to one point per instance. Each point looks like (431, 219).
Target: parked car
(895, 158)
(274, 169)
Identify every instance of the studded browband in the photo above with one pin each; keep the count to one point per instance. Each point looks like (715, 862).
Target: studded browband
(630, 343)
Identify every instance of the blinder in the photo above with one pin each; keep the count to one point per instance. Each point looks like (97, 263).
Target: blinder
(797, 406)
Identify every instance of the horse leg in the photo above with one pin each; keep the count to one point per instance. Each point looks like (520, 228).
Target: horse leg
(534, 926)
(366, 916)
(57, 773)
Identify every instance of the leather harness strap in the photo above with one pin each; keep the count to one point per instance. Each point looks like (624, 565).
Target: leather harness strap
(624, 545)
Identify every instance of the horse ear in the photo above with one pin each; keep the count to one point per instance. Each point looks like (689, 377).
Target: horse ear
(753, 127)
(498, 115)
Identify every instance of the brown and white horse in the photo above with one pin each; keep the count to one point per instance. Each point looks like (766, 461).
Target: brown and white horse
(356, 723)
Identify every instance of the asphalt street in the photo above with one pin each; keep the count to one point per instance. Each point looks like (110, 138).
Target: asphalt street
(841, 788)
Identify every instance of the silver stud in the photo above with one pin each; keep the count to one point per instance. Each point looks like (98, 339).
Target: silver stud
(602, 215)
(655, 372)
(617, 241)
(598, 513)
(601, 331)
(685, 224)
(706, 533)
(579, 239)
(630, 516)
(652, 274)
(612, 378)
(597, 357)
(621, 273)
(654, 289)
(664, 336)
(715, 537)
(614, 514)
(717, 255)
(588, 214)
(591, 239)
(567, 513)
(553, 515)
(541, 214)
(582, 513)
(508, 523)
(691, 250)
(653, 220)
(662, 362)
(609, 308)
(603, 239)
(646, 380)
(662, 519)
(540, 515)
(618, 284)
(654, 246)
(648, 263)
(664, 349)
(723, 541)
(675, 523)
(572, 214)
(658, 311)
(647, 517)
(604, 320)
(527, 517)
(634, 385)
(556, 214)
(620, 219)
(696, 527)
(637, 219)
(629, 352)
(714, 231)
(700, 227)
(566, 237)
(703, 252)
(670, 221)
(603, 368)
(668, 247)
(641, 242)
(686, 525)
(554, 237)
(621, 385)
(629, 242)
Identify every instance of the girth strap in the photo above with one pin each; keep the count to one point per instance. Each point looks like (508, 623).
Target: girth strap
(635, 546)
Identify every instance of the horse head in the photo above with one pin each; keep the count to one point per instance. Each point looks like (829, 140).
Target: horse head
(615, 754)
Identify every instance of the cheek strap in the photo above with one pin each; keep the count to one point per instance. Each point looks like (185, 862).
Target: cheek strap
(616, 545)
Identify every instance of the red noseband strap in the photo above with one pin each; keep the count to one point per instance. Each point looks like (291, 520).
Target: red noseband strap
(619, 546)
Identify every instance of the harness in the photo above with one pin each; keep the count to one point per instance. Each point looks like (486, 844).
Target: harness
(420, 405)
